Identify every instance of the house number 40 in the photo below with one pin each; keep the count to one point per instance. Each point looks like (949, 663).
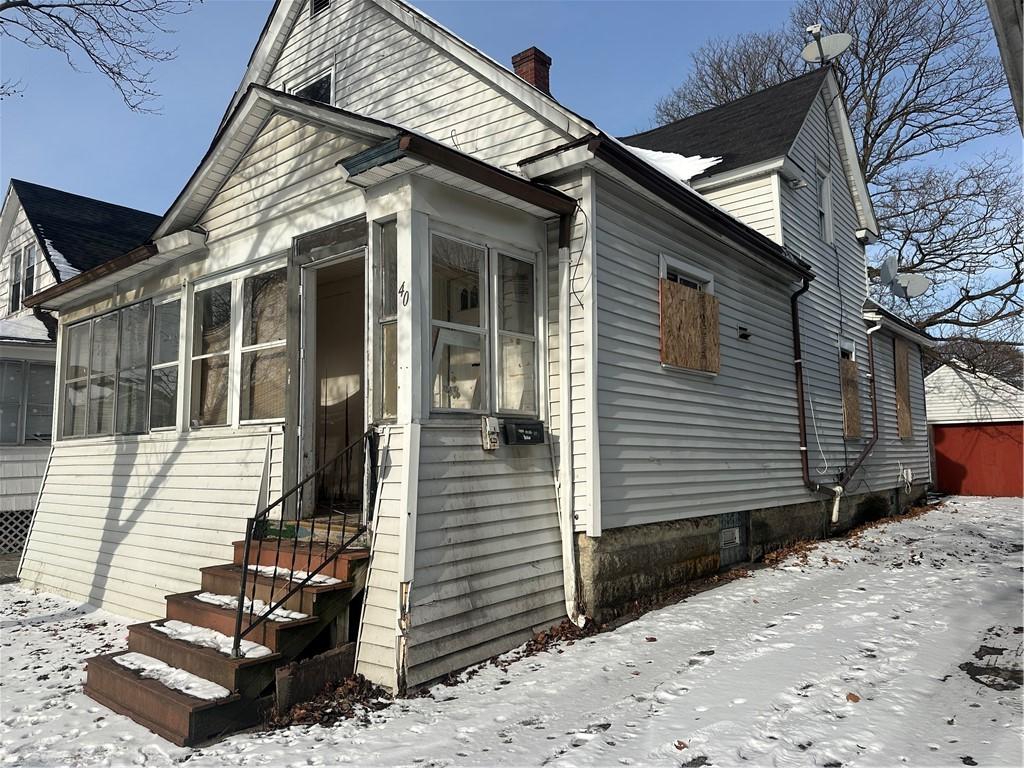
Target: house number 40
(403, 295)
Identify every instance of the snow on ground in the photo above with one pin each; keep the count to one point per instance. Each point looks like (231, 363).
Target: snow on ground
(902, 648)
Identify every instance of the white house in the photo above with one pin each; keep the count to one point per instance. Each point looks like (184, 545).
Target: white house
(595, 368)
(46, 237)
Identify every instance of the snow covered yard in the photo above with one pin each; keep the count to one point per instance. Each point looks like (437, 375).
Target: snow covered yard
(902, 646)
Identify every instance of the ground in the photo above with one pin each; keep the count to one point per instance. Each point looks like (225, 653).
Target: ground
(900, 646)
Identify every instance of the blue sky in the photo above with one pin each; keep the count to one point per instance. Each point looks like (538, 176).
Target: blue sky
(612, 61)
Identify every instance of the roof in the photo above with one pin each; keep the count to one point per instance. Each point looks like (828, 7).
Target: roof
(892, 322)
(37, 328)
(957, 396)
(752, 129)
(78, 233)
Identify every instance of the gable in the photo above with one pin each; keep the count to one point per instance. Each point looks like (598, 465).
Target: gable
(955, 395)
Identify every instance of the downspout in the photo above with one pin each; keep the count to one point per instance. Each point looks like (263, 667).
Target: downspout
(567, 522)
(848, 475)
(798, 370)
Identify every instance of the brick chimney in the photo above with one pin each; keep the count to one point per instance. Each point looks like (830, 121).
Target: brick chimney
(534, 66)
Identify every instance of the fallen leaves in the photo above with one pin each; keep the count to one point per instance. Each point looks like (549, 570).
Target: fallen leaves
(853, 698)
(680, 744)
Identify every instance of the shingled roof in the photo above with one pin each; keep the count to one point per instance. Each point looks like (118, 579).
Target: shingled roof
(78, 233)
(750, 130)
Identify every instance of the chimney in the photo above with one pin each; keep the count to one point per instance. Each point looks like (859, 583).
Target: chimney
(534, 66)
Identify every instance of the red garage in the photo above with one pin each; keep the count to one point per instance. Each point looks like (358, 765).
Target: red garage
(977, 433)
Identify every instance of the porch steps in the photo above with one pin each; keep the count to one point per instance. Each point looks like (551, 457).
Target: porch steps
(186, 720)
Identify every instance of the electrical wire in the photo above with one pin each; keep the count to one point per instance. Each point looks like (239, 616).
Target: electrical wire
(576, 267)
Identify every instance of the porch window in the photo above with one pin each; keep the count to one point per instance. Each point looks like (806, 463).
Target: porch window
(211, 355)
(133, 369)
(163, 406)
(458, 329)
(517, 336)
(388, 314)
(264, 352)
(26, 401)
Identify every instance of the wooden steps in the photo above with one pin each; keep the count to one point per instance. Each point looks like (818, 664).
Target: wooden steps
(186, 720)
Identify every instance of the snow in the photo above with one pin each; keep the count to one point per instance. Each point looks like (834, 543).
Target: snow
(64, 269)
(916, 622)
(678, 167)
(283, 573)
(27, 328)
(172, 677)
(258, 607)
(210, 638)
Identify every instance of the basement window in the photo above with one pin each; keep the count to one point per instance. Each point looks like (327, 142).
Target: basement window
(318, 89)
(316, 7)
(689, 318)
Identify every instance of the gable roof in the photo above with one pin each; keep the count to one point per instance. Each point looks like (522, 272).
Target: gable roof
(78, 233)
(752, 129)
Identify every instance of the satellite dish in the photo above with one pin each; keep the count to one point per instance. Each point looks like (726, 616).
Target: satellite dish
(889, 268)
(911, 286)
(822, 50)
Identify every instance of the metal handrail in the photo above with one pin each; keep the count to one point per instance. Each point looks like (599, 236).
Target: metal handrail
(257, 528)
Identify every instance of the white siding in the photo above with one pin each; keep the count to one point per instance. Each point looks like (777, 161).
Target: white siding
(20, 236)
(956, 397)
(21, 472)
(678, 444)
(376, 652)
(891, 454)
(488, 551)
(752, 201)
(121, 523)
(383, 69)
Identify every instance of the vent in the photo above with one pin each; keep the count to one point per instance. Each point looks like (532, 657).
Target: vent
(730, 537)
(318, 6)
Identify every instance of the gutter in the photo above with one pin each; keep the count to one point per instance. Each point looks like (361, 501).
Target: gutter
(130, 259)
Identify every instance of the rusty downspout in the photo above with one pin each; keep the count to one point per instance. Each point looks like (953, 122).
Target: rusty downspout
(851, 471)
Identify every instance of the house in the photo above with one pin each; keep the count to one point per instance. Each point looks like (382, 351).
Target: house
(46, 237)
(592, 368)
(977, 424)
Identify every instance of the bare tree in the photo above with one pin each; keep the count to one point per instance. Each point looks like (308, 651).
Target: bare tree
(919, 80)
(117, 37)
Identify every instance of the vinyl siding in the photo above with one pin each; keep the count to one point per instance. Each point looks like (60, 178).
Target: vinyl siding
(21, 473)
(677, 444)
(956, 397)
(383, 69)
(20, 236)
(376, 655)
(121, 523)
(882, 469)
(752, 201)
(488, 567)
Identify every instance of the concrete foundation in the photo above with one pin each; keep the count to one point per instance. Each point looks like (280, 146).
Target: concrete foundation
(628, 564)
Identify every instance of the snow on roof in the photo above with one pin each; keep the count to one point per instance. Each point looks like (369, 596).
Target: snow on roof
(60, 263)
(678, 167)
(29, 328)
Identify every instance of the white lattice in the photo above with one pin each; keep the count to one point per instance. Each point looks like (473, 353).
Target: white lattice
(14, 530)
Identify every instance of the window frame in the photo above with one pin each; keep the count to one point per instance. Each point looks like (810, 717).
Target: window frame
(823, 203)
(176, 363)
(494, 257)
(15, 270)
(234, 323)
(242, 350)
(483, 330)
(29, 273)
(328, 72)
(706, 281)
(384, 319)
(23, 402)
(313, 13)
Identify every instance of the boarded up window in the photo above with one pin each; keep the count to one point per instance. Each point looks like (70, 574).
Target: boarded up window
(850, 382)
(901, 354)
(689, 328)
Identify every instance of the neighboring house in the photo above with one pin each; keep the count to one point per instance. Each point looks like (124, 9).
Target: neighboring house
(977, 424)
(46, 237)
(589, 380)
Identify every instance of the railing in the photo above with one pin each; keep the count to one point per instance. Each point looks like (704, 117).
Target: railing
(328, 498)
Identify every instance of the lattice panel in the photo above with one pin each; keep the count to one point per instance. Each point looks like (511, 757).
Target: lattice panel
(14, 530)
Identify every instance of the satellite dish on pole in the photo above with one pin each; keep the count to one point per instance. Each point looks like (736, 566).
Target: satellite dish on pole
(821, 50)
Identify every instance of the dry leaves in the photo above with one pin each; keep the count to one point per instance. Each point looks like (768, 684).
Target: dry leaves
(852, 698)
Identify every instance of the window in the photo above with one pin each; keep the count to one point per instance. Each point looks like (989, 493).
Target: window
(824, 205)
(901, 359)
(517, 336)
(316, 90)
(849, 384)
(211, 356)
(14, 300)
(689, 318)
(163, 402)
(388, 319)
(458, 329)
(29, 282)
(26, 401)
(108, 385)
(264, 352)
(318, 6)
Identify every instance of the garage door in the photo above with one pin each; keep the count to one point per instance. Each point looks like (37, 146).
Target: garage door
(980, 459)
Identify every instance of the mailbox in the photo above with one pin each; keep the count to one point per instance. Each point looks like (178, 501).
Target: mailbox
(521, 432)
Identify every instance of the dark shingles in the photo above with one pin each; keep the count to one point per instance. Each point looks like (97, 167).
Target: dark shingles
(750, 130)
(86, 232)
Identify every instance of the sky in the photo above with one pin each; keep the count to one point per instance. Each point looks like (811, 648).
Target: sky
(70, 130)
